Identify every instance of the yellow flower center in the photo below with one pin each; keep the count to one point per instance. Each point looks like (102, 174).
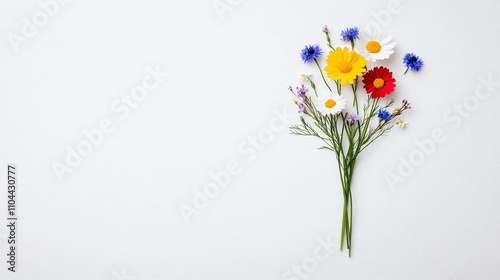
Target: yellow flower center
(302, 75)
(330, 103)
(378, 83)
(400, 121)
(345, 67)
(373, 46)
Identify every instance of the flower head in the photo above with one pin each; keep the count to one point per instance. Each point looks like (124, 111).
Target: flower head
(331, 104)
(302, 107)
(350, 34)
(304, 76)
(406, 104)
(384, 115)
(352, 119)
(375, 45)
(401, 123)
(344, 65)
(413, 62)
(302, 90)
(310, 53)
(379, 82)
(325, 29)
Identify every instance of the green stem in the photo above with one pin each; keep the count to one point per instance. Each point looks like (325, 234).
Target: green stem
(344, 213)
(329, 42)
(313, 85)
(355, 102)
(348, 209)
(322, 76)
(345, 220)
(354, 90)
(351, 173)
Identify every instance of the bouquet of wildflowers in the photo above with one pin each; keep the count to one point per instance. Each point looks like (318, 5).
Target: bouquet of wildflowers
(349, 131)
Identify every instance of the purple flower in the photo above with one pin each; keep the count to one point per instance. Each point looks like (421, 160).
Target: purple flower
(302, 107)
(325, 29)
(302, 90)
(406, 104)
(352, 119)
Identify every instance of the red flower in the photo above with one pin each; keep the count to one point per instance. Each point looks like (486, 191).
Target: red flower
(379, 82)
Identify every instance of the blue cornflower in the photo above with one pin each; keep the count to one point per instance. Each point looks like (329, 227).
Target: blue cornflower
(384, 115)
(311, 52)
(413, 62)
(350, 34)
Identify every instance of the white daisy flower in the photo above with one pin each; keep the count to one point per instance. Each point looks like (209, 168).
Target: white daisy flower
(331, 104)
(304, 76)
(375, 45)
(401, 123)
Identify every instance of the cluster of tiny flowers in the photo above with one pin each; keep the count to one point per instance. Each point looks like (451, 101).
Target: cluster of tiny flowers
(301, 92)
(406, 104)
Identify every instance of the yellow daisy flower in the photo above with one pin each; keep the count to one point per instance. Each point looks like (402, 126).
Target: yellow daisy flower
(344, 65)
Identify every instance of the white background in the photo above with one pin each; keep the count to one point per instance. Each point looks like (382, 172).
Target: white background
(116, 215)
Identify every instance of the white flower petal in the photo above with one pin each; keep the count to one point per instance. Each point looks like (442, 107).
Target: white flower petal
(384, 40)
